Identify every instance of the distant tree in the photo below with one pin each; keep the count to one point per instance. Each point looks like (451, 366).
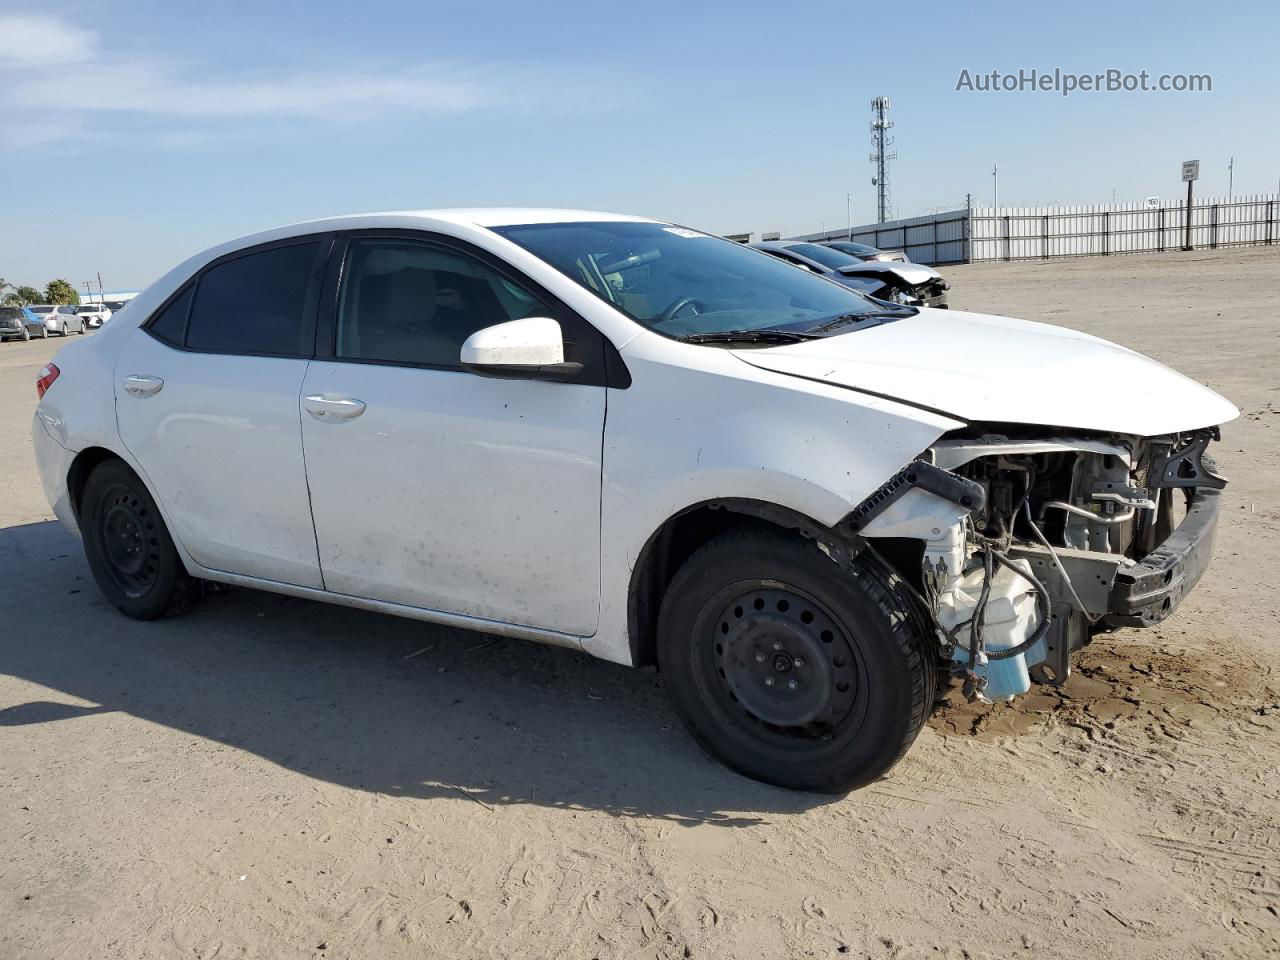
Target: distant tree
(59, 291)
(10, 300)
(26, 295)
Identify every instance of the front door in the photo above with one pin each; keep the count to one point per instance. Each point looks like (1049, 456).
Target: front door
(432, 486)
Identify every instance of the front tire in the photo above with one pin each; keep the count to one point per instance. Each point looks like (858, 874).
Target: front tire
(128, 547)
(792, 670)
(44, 333)
(64, 330)
(26, 334)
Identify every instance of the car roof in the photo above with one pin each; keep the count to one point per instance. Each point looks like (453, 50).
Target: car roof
(465, 217)
(485, 216)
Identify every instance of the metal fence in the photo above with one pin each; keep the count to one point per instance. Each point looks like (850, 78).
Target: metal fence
(933, 238)
(1026, 233)
(1040, 233)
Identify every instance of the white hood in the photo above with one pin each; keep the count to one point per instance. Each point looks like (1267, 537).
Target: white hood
(997, 369)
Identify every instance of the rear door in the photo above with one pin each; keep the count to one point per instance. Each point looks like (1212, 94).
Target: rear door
(435, 487)
(207, 401)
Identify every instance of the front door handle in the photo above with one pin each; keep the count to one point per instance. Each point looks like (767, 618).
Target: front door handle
(141, 386)
(330, 406)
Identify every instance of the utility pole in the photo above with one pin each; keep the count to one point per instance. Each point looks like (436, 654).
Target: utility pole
(848, 213)
(101, 296)
(87, 292)
(1231, 173)
(993, 186)
(881, 155)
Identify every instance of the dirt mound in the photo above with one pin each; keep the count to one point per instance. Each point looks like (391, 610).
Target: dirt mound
(1125, 679)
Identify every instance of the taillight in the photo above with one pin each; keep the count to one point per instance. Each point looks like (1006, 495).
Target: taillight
(46, 378)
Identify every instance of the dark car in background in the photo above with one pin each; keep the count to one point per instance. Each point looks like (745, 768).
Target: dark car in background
(20, 323)
(909, 283)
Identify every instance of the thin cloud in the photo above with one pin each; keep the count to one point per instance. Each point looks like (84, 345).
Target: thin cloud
(26, 40)
(93, 82)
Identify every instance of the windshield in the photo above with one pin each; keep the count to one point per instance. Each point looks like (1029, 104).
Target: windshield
(857, 249)
(680, 282)
(91, 308)
(824, 255)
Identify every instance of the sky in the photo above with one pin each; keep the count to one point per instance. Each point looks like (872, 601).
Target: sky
(134, 134)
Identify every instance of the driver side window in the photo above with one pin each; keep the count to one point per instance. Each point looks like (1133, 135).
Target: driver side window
(407, 301)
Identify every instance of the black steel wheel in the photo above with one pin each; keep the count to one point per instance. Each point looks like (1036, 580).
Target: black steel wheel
(128, 547)
(793, 670)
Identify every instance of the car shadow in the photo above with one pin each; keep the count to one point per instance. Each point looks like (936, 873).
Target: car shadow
(363, 700)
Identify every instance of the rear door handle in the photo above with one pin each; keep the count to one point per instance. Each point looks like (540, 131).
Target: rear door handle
(141, 386)
(332, 407)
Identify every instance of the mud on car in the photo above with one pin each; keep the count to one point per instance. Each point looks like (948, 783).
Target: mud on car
(802, 505)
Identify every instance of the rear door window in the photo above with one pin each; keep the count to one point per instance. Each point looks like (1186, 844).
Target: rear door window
(255, 303)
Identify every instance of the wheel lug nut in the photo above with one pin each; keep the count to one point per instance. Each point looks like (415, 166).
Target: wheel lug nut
(791, 684)
(768, 681)
(759, 657)
(798, 661)
(777, 645)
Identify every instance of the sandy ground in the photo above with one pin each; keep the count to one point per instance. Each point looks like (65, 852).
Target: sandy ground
(275, 778)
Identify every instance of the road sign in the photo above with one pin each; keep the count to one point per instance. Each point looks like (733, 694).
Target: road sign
(1190, 170)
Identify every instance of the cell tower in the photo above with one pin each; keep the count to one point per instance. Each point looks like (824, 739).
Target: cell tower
(881, 155)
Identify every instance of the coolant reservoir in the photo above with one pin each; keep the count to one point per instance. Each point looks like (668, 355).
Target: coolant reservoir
(1010, 618)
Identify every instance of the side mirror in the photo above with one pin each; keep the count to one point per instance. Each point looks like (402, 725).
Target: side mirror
(530, 348)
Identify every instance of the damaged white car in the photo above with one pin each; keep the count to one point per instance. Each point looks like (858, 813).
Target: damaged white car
(803, 506)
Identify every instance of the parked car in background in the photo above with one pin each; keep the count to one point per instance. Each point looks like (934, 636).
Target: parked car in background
(913, 284)
(94, 314)
(864, 252)
(61, 319)
(635, 439)
(19, 323)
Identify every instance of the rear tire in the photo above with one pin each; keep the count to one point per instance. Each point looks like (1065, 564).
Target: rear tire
(791, 670)
(64, 330)
(128, 547)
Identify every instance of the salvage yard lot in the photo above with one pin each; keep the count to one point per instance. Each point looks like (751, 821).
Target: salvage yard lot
(278, 778)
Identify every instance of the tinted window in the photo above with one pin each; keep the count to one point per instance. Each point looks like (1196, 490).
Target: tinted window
(857, 249)
(42, 309)
(824, 255)
(254, 303)
(416, 302)
(170, 323)
(10, 313)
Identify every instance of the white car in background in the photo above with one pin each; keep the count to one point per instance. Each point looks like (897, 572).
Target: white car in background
(639, 440)
(61, 319)
(93, 314)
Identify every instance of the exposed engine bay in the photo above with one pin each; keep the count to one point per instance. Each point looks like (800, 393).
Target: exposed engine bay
(1031, 545)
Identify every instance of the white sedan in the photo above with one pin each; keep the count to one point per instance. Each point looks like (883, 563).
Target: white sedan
(652, 444)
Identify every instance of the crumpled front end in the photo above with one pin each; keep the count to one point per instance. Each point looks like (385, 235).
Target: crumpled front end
(1028, 544)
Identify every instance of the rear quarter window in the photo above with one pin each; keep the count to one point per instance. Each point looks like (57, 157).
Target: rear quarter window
(170, 324)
